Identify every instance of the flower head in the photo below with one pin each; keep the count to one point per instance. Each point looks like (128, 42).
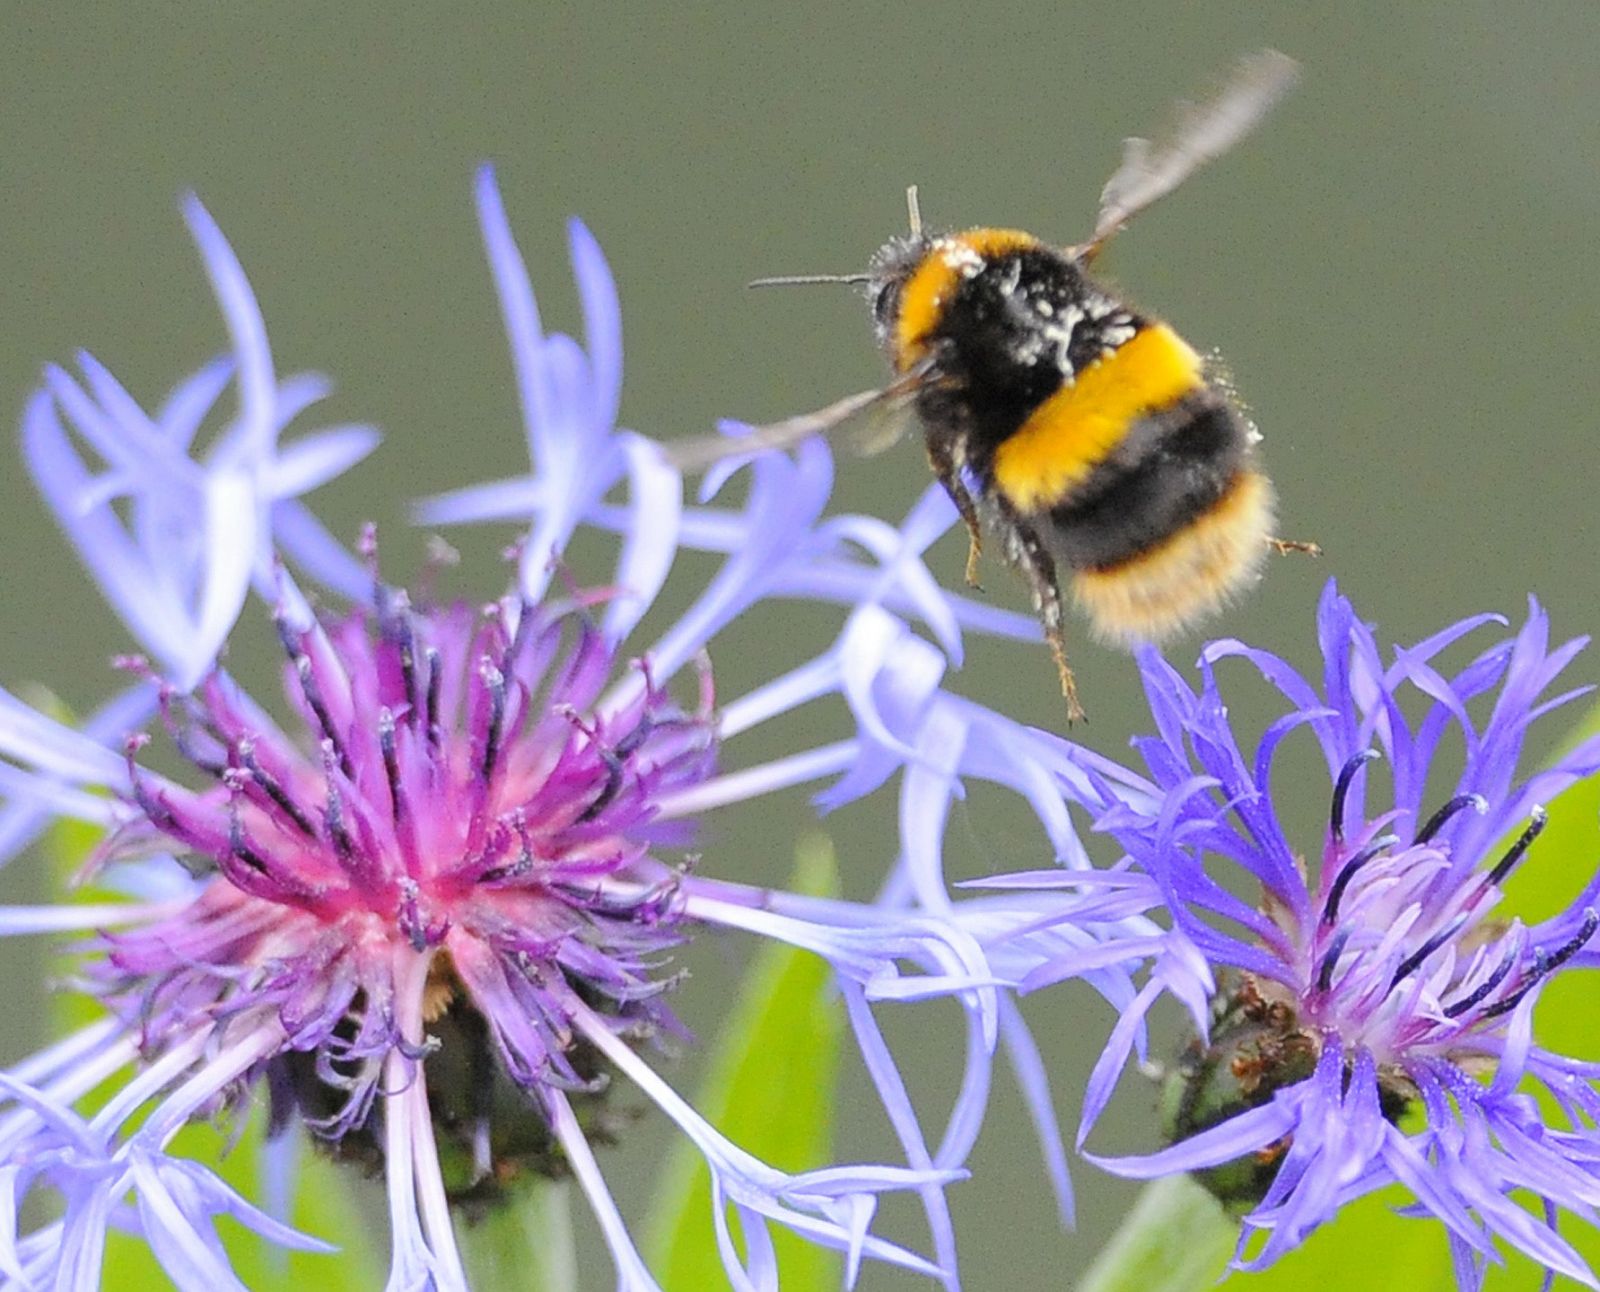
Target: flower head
(458, 795)
(459, 866)
(1378, 978)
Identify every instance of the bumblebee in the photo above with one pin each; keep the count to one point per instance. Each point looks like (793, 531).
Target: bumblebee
(1082, 432)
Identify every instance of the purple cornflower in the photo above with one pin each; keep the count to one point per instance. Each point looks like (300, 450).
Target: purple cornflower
(1378, 980)
(469, 847)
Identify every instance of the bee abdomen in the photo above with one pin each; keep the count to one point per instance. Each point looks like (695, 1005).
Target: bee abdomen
(1084, 425)
(1166, 472)
(1195, 569)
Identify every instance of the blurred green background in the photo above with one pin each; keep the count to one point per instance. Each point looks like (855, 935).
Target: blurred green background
(1399, 269)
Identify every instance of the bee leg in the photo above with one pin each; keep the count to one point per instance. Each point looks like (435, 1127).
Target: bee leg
(974, 552)
(1039, 568)
(943, 462)
(1050, 612)
(1283, 546)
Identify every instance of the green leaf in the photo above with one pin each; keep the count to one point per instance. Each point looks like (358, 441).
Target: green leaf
(525, 1242)
(323, 1204)
(1177, 1237)
(1367, 1248)
(771, 1088)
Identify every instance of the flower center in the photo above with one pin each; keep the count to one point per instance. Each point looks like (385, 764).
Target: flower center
(478, 790)
(1404, 957)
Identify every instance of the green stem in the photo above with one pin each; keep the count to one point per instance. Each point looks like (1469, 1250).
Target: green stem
(1177, 1238)
(525, 1243)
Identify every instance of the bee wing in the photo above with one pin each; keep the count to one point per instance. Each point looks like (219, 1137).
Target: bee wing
(881, 427)
(1202, 133)
(879, 431)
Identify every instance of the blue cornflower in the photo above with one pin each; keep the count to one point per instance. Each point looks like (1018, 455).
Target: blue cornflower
(1377, 981)
(473, 833)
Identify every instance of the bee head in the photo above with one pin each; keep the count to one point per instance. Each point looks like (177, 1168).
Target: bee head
(887, 274)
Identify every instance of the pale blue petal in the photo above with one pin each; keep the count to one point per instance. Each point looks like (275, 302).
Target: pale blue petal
(194, 397)
(503, 500)
(257, 385)
(313, 460)
(521, 315)
(190, 1256)
(297, 393)
(308, 544)
(650, 543)
(602, 321)
(133, 446)
(1034, 1079)
(50, 746)
(230, 530)
(1235, 1137)
(23, 819)
(120, 408)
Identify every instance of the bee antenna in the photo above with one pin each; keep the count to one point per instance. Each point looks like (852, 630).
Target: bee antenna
(914, 211)
(804, 280)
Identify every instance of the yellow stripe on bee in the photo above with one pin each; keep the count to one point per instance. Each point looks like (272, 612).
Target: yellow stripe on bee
(1077, 428)
(948, 263)
(1186, 575)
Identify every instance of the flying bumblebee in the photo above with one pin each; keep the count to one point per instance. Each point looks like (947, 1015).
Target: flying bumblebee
(1081, 431)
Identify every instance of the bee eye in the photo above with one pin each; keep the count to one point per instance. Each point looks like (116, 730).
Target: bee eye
(886, 303)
